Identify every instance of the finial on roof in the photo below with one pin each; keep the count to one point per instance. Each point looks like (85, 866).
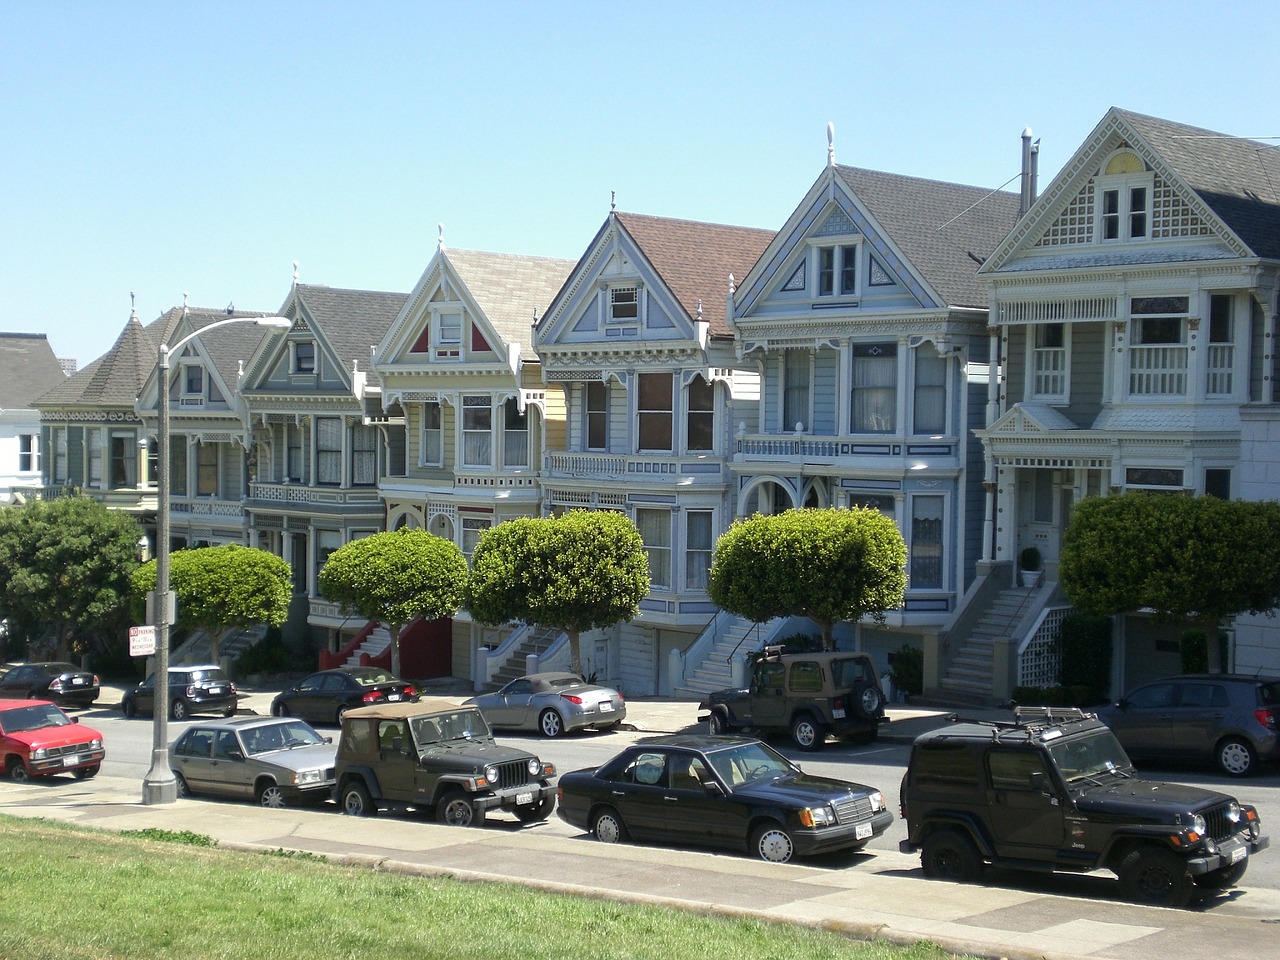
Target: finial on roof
(613, 200)
(699, 309)
(831, 144)
(133, 305)
(185, 296)
(731, 285)
(439, 236)
(295, 273)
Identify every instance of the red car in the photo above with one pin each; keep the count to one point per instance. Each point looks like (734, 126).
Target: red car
(37, 739)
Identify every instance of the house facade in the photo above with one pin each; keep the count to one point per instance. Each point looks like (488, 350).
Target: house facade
(28, 370)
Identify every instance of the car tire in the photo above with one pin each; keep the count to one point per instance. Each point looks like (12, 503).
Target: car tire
(607, 826)
(128, 708)
(356, 801)
(341, 712)
(1236, 757)
(230, 711)
(178, 709)
(86, 773)
(772, 843)
(865, 701)
(532, 813)
(1223, 878)
(806, 733)
(950, 855)
(551, 724)
(17, 770)
(184, 791)
(279, 710)
(717, 724)
(270, 795)
(455, 810)
(1155, 876)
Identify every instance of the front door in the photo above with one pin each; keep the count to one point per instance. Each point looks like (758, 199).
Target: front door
(1027, 810)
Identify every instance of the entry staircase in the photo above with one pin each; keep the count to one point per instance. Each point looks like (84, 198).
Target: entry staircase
(708, 663)
(525, 641)
(969, 677)
(198, 648)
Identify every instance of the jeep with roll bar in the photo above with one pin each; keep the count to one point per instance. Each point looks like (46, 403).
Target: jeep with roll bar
(1053, 790)
(809, 695)
(439, 758)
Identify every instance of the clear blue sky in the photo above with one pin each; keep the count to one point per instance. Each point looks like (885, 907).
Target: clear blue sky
(203, 147)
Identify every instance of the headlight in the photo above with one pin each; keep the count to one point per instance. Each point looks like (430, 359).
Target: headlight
(95, 743)
(39, 753)
(491, 773)
(817, 816)
(308, 776)
(1198, 825)
(877, 802)
(535, 767)
(1233, 812)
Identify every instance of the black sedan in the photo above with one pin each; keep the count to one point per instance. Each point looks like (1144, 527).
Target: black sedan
(325, 696)
(731, 792)
(63, 683)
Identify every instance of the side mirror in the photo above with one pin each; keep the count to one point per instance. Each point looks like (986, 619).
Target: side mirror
(235, 755)
(75, 719)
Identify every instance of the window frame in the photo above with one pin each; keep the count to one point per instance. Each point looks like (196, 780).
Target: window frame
(918, 556)
(700, 419)
(28, 453)
(302, 358)
(658, 553)
(837, 269)
(651, 420)
(698, 555)
(635, 313)
(476, 408)
(855, 426)
(510, 412)
(596, 417)
(328, 457)
(427, 433)
(802, 392)
(929, 354)
(1035, 351)
(1123, 186)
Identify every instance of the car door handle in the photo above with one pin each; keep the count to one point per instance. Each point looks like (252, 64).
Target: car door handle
(670, 799)
(619, 793)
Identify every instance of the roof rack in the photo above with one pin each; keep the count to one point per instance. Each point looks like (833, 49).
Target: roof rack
(1049, 714)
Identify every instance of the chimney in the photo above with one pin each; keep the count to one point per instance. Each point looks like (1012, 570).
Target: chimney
(1030, 170)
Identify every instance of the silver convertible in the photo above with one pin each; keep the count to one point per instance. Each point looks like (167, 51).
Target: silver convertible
(552, 704)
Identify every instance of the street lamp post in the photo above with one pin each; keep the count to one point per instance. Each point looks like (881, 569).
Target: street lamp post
(159, 785)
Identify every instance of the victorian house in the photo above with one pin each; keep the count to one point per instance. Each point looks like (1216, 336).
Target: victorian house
(639, 342)
(1133, 314)
(468, 415)
(28, 370)
(866, 325)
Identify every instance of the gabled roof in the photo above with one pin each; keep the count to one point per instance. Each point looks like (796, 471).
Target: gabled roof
(695, 259)
(28, 368)
(352, 322)
(227, 347)
(510, 288)
(945, 230)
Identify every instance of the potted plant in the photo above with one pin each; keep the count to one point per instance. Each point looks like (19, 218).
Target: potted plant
(1029, 568)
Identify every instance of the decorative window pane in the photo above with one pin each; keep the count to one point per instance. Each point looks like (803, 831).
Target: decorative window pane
(624, 303)
(515, 435)
(926, 543)
(432, 435)
(654, 409)
(795, 390)
(597, 415)
(698, 547)
(364, 456)
(930, 401)
(124, 460)
(328, 450)
(701, 415)
(93, 441)
(796, 281)
(1153, 477)
(655, 531)
(206, 469)
(304, 357)
(477, 432)
(875, 388)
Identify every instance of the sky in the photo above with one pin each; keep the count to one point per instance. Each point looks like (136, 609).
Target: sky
(198, 149)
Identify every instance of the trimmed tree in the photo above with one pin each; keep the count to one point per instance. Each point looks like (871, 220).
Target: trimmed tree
(828, 564)
(1198, 560)
(222, 589)
(67, 562)
(395, 578)
(582, 570)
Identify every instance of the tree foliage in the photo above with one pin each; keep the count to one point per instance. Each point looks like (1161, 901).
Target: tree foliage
(579, 571)
(828, 564)
(1199, 560)
(222, 589)
(395, 578)
(67, 562)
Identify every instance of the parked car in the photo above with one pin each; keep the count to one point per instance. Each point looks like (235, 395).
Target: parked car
(37, 739)
(62, 683)
(200, 689)
(1054, 790)
(809, 695)
(552, 704)
(1229, 719)
(273, 761)
(715, 791)
(440, 758)
(325, 696)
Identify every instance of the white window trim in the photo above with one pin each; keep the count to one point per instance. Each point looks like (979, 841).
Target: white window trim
(422, 436)
(1123, 183)
(837, 245)
(294, 369)
(606, 303)
(1056, 399)
(449, 350)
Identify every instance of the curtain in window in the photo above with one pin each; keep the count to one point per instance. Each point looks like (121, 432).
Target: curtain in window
(432, 437)
(875, 388)
(515, 436)
(795, 390)
(328, 450)
(477, 432)
(698, 547)
(94, 442)
(206, 470)
(926, 542)
(655, 531)
(364, 456)
(930, 399)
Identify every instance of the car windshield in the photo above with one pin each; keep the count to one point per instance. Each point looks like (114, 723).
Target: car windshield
(1090, 756)
(212, 675)
(279, 736)
(367, 678)
(748, 762)
(35, 717)
(457, 725)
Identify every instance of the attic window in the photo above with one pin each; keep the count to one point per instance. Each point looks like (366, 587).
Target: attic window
(1124, 198)
(838, 271)
(304, 357)
(624, 303)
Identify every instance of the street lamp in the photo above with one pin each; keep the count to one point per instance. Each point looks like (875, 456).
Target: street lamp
(159, 785)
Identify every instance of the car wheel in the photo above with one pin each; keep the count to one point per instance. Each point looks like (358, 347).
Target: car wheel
(86, 773)
(772, 843)
(865, 701)
(183, 790)
(950, 855)
(270, 795)
(716, 724)
(532, 813)
(1156, 876)
(179, 709)
(550, 724)
(356, 801)
(337, 717)
(17, 770)
(279, 710)
(230, 711)
(1236, 758)
(455, 810)
(807, 733)
(607, 827)
(1221, 879)
(128, 708)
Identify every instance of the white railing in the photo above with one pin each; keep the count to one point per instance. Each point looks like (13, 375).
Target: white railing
(289, 493)
(1221, 362)
(1040, 652)
(207, 508)
(1158, 371)
(605, 465)
(1051, 371)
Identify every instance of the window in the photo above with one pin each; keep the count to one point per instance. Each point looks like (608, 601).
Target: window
(192, 381)
(1155, 477)
(597, 416)
(838, 271)
(477, 431)
(178, 465)
(624, 304)
(883, 503)
(795, 389)
(1217, 483)
(1124, 213)
(929, 407)
(28, 452)
(472, 529)
(432, 435)
(124, 459)
(295, 462)
(206, 470)
(1158, 351)
(698, 546)
(655, 531)
(1049, 361)
(327, 541)
(515, 435)
(654, 411)
(806, 677)
(926, 543)
(93, 444)
(701, 415)
(329, 450)
(304, 357)
(58, 441)
(451, 329)
(364, 455)
(1012, 769)
(875, 388)
(1042, 496)
(1221, 353)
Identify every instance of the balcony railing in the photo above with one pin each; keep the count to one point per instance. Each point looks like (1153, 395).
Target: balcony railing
(1158, 371)
(292, 493)
(1221, 361)
(636, 466)
(207, 507)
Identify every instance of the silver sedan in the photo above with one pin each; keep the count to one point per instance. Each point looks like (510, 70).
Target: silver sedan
(552, 704)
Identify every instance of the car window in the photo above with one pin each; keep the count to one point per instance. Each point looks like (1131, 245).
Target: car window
(358, 736)
(1012, 769)
(689, 773)
(945, 766)
(848, 673)
(806, 676)
(312, 683)
(563, 682)
(391, 735)
(1153, 696)
(459, 725)
(263, 739)
(750, 761)
(1199, 694)
(197, 743)
(333, 682)
(769, 675)
(224, 743)
(1269, 693)
(19, 674)
(647, 769)
(517, 688)
(368, 678)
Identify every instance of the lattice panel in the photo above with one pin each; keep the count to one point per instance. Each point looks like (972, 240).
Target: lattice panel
(1171, 216)
(836, 225)
(1075, 224)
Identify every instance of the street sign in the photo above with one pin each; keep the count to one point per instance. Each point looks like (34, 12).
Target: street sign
(142, 641)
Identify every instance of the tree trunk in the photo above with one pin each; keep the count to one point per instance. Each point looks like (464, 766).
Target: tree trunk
(575, 653)
(394, 630)
(828, 628)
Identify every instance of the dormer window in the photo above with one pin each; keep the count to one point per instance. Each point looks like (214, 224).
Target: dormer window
(1124, 199)
(304, 356)
(624, 304)
(837, 273)
(192, 381)
(448, 338)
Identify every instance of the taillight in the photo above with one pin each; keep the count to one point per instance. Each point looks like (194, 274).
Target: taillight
(1266, 716)
(191, 690)
(410, 691)
(373, 696)
(571, 698)
(95, 680)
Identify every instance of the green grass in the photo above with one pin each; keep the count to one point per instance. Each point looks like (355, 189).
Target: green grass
(71, 893)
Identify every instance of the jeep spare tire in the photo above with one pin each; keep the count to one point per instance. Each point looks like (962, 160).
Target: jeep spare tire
(865, 701)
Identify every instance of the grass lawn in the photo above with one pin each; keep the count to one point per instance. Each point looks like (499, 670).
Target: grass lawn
(70, 892)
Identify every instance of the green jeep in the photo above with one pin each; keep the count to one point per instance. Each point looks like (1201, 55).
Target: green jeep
(439, 757)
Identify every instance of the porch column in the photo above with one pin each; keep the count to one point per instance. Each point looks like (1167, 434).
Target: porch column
(989, 485)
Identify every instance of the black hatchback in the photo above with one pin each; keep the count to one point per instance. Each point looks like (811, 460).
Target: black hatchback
(200, 689)
(63, 683)
(324, 697)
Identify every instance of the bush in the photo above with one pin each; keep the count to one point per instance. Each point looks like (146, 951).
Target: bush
(1029, 559)
(906, 669)
(1086, 656)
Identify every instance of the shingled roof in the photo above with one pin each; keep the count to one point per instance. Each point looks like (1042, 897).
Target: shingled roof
(945, 230)
(28, 369)
(695, 259)
(115, 379)
(510, 287)
(352, 321)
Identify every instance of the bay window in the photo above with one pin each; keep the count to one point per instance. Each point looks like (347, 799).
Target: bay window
(926, 543)
(700, 417)
(515, 435)
(432, 436)
(929, 405)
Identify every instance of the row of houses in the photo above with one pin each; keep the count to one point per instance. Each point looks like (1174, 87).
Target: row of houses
(969, 362)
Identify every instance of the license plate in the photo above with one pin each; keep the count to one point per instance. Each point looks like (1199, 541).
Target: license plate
(393, 696)
(606, 707)
(862, 831)
(215, 691)
(77, 681)
(838, 712)
(523, 798)
(1239, 854)
(71, 761)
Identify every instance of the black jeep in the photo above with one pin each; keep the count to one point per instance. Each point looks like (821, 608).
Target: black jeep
(809, 695)
(439, 757)
(1054, 790)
